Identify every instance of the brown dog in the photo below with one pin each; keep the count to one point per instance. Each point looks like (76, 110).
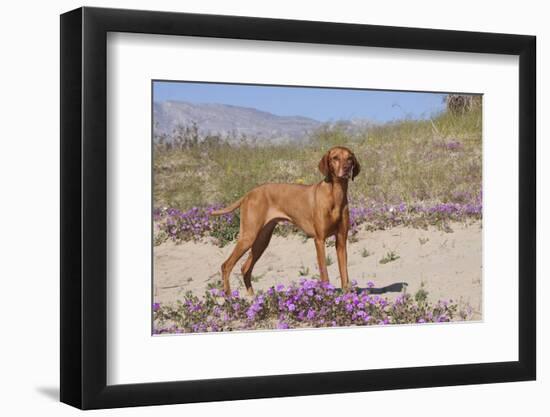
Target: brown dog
(320, 210)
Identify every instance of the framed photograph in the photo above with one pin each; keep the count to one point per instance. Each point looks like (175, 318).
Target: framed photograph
(259, 208)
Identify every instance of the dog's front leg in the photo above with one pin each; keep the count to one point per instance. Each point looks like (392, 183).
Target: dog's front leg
(321, 259)
(342, 255)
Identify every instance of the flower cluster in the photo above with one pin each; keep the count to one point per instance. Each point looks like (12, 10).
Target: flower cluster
(383, 216)
(196, 223)
(309, 303)
(452, 145)
(193, 224)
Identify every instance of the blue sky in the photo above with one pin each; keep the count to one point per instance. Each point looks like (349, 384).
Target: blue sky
(323, 104)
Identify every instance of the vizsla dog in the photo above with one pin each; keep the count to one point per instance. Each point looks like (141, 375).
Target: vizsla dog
(320, 210)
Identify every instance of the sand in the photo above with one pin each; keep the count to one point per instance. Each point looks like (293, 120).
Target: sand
(448, 264)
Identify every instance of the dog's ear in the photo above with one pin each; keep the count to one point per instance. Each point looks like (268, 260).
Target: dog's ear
(356, 167)
(324, 166)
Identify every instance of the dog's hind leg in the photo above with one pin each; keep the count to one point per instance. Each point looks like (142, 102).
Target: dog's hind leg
(242, 246)
(258, 248)
(251, 225)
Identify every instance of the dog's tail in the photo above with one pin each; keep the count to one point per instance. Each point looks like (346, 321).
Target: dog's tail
(228, 209)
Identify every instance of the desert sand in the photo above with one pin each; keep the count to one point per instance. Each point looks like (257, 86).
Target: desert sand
(448, 264)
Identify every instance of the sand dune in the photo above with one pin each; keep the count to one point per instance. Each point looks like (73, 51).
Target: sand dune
(449, 264)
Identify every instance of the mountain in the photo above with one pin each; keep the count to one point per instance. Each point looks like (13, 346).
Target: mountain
(230, 121)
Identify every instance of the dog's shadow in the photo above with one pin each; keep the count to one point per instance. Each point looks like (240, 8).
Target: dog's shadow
(395, 287)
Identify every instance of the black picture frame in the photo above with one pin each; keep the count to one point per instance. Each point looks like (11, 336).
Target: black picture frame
(84, 207)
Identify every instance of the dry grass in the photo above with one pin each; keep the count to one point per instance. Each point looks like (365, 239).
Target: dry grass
(410, 160)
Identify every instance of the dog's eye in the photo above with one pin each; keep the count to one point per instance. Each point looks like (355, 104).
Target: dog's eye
(335, 158)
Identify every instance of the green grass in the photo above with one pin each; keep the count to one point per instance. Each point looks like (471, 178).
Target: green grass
(226, 233)
(366, 253)
(421, 296)
(405, 161)
(389, 257)
(303, 271)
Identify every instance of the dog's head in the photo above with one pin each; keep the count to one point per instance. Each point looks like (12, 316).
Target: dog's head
(339, 162)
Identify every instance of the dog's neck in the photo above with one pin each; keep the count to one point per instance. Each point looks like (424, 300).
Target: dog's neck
(339, 189)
